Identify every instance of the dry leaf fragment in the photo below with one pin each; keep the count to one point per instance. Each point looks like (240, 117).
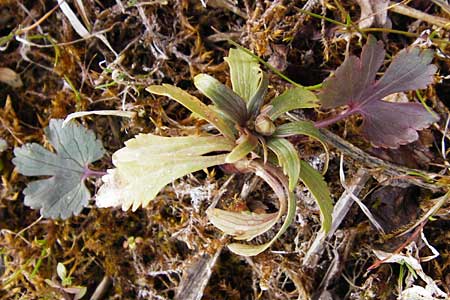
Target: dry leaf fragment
(10, 77)
(373, 12)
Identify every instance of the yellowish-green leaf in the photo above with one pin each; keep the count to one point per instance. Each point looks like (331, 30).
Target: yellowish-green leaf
(246, 144)
(316, 184)
(242, 225)
(291, 99)
(287, 158)
(246, 75)
(252, 250)
(193, 104)
(149, 162)
(305, 128)
(227, 101)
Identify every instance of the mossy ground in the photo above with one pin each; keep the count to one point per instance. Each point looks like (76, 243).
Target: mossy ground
(145, 253)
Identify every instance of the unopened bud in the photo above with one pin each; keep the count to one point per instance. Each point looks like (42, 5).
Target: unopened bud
(264, 125)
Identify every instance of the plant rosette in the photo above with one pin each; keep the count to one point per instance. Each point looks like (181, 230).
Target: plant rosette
(246, 133)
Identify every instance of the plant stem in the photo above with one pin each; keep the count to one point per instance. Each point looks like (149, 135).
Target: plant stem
(314, 87)
(91, 173)
(419, 15)
(332, 120)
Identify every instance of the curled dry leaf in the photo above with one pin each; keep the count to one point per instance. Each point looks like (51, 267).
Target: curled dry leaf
(373, 12)
(247, 225)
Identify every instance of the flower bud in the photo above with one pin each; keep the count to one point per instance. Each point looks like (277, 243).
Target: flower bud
(264, 125)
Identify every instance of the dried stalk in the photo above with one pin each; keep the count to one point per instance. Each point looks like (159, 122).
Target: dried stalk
(405, 10)
(197, 276)
(414, 176)
(102, 288)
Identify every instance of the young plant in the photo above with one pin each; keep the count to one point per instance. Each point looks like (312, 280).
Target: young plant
(247, 130)
(354, 84)
(66, 286)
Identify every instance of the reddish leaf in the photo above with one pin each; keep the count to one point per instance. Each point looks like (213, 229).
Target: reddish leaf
(354, 84)
(389, 125)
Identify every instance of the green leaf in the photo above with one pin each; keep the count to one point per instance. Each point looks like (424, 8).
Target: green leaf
(291, 99)
(252, 250)
(246, 144)
(315, 183)
(305, 128)
(245, 73)
(149, 162)
(257, 100)
(61, 271)
(193, 104)
(299, 127)
(242, 225)
(287, 158)
(64, 193)
(227, 101)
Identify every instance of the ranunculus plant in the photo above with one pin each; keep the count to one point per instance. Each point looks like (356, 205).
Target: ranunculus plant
(245, 136)
(246, 133)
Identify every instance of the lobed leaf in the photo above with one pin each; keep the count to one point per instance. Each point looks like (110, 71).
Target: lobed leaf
(410, 70)
(193, 104)
(315, 183)
(291, 99)
(64, 193)
(355, 85)
(227, 101)
(287, 158)
(148, 162)
(354, 77)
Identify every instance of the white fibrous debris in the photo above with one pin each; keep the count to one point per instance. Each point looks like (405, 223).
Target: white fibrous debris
(318, 162)
(198, 194)
(431, 291)
(304, 195)
(3, 145)
(113, 192)
(417, 292)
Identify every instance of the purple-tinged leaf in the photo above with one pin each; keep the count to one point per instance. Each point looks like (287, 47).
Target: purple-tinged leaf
(390, 124)
(354, 84)
(354, 77)
(410, 70)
